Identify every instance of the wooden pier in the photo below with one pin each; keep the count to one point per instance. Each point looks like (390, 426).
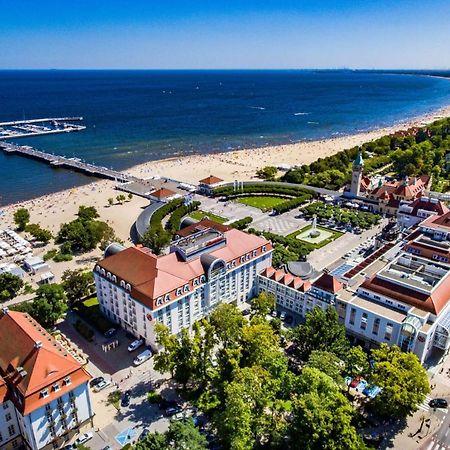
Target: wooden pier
(75, 164)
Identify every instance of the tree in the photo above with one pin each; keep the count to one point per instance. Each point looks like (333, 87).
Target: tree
(87, 213)
(110, 201)
(156, 239)
(267, 173)
(328, 363)
(130, 196)
(321, 415)
(228, 321)
(165, 358)
(21, 218)
(262, 305)
(40, 234)
(77, 284)
(356, 362)
(403, 381)
(182, 434)
(120, 198)
(108, 236)
(10, 285)
(49, 304)
(321, 331)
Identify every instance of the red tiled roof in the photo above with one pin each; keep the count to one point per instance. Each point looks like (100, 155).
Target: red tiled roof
(425, 204)
(211, 180)
(328, 283)
(153, 276)
(436, 222)
(3, 390)
(203, 224)
(44, 364)
(286, 279)
(162, 193)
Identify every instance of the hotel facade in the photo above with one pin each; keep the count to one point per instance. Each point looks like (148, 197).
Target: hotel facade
(44, 393)
(207, 265)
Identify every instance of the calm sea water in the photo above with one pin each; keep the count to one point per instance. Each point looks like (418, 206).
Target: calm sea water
(136, 116)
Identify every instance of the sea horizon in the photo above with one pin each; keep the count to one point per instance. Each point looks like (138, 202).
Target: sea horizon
(135, 116)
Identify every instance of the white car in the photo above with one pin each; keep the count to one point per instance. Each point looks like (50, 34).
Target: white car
(142, 357)
(102, 385)
(135, 345)
(82, 438)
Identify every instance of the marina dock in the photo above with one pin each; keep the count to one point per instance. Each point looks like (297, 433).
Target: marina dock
(38, 127)
(75, 164)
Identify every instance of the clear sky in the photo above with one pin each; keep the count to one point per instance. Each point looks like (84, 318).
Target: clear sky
(224, 34)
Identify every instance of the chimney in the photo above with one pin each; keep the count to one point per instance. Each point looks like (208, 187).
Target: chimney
(37, 344)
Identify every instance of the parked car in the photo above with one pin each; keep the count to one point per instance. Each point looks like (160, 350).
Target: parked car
(282, 315)
(102, 385)
(144, 433)
(361, 385)
(438, 403)
(142, 357)
(96, 381)
(110, 333)
(355, 382)
(107, 448)
(125, 399)
(68, 447)
(135, 345)
(169, 412)
(274, 313)
(82, 438)
(246, 312)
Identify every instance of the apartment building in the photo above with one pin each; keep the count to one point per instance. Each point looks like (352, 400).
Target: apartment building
(44, 393)
(207, 265)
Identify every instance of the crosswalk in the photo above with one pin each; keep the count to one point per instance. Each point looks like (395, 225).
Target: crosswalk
(425, 406)
(434, 445)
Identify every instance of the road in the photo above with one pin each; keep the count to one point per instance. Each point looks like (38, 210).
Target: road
(440, 440)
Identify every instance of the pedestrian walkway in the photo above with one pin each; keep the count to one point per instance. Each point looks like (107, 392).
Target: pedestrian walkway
(425, 406)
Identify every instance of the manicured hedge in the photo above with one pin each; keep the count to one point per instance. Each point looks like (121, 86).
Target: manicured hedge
(242, 223)
(262, 188)
(292, 204)
(174, 222)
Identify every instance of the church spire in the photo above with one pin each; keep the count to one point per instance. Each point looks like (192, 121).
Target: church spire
(358, 160)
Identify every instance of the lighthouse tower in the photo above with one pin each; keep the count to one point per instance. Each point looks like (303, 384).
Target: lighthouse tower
(357, 172)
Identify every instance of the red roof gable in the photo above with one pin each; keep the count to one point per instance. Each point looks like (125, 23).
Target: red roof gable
(328, 283)
(211, 180)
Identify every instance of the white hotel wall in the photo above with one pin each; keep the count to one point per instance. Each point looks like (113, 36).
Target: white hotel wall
(38, 424)
(239, 284)
(7, 410)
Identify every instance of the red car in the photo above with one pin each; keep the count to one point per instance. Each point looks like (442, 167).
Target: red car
(355, 381)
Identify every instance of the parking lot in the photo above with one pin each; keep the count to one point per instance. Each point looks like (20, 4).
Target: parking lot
(117, 427)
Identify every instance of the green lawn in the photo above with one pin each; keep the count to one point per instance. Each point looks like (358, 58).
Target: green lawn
(199, 215)
(330, 235)
(262, 202)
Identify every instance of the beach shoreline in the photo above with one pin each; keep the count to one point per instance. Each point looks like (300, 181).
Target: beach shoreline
(230, 165)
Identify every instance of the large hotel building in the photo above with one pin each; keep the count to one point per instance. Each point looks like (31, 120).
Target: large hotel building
(207, 264)
(398, 294)
(44, 393)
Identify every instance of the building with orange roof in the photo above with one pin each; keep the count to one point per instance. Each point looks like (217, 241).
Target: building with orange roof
(207, 185)
(206, 266)
(43, 388)
(163, 195)
(411, 213)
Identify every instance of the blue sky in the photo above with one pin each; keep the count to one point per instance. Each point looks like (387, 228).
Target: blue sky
(224, 34)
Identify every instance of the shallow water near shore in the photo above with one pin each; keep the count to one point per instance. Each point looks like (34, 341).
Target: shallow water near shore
(138, 116)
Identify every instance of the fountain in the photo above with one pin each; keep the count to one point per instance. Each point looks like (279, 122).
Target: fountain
(314, 232)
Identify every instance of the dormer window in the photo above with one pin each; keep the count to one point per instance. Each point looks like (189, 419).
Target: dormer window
(264, 248)
(56, 387)
(44, 393)
(114, 278)
(128, 287)
(186, 288)
(122, 283)
(67, 381)
(195, 283)
(179, 291)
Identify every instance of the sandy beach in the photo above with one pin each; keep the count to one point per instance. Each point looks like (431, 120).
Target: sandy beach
(51, 210)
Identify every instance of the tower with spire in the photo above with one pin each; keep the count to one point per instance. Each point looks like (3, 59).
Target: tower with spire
(357, 173)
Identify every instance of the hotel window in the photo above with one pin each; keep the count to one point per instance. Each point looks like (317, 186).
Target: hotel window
(5, 405)
(388, 332)
(67, 381)
(11, 430)
(376, 326)
(363, 324)
(179, 291)
(352, 316)
(56, 387)
(8, 417)
(44, 393)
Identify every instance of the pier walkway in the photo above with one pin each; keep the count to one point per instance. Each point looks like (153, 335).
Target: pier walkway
(38, 127)
(68, 163)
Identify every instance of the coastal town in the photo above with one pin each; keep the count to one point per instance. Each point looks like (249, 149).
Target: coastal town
(270, 306)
